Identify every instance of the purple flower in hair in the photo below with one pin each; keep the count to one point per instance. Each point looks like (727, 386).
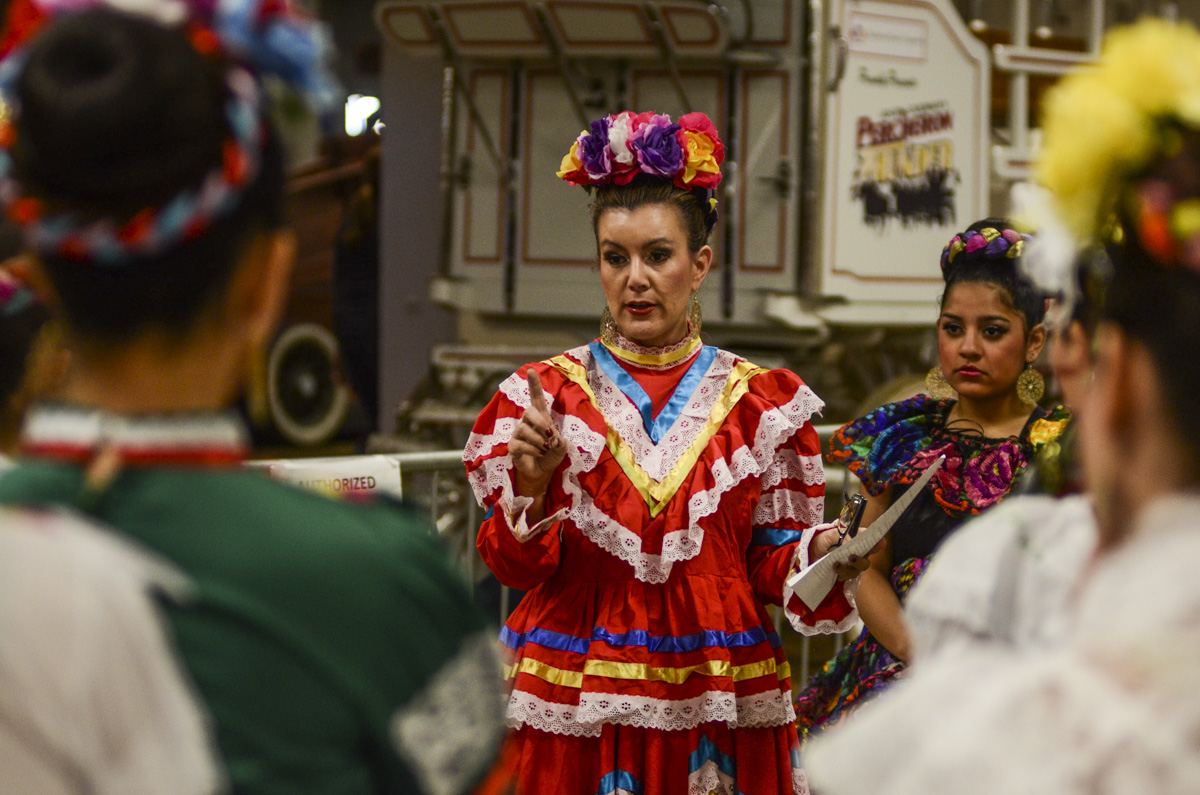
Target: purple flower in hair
(656, 144)
(593, 150)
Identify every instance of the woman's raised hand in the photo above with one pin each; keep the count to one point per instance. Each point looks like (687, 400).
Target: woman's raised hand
(536, 448)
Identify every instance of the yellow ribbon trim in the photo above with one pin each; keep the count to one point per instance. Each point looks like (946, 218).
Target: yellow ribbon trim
(658, 493)
(555, 676)
(645, 673)
(656, 361)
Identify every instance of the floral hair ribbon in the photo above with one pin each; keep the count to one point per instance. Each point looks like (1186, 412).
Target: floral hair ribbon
(153, 229)
(268, 35)
(986, 243)
(615, 149)
(262, 33)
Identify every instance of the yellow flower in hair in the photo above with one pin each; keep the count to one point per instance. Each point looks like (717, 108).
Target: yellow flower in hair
(570, 162)
(1101, 124)
(700, 156)
(1155, 64)
(1092, 139)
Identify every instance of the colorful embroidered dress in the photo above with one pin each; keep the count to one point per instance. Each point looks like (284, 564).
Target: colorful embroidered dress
(642, 658)
(892, 447)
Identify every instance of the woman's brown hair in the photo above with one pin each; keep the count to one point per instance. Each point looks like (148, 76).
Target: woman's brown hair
(646, 190)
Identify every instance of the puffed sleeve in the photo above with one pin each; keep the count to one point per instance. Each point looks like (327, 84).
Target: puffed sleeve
(521, 555)
(791, 504)
(876, 446)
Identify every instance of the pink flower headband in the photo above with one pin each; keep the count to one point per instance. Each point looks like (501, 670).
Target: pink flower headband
(617, 148)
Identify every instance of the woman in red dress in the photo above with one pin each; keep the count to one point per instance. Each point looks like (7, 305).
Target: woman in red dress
(652, 493)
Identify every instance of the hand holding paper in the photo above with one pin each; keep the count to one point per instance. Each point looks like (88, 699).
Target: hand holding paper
(813, 582)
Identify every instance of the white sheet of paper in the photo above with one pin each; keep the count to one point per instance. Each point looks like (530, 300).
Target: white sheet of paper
(813, 582)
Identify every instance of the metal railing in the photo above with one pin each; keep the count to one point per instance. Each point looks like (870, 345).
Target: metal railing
(437, 481)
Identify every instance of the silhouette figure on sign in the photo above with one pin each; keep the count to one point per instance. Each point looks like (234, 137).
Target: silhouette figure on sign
(927, 200)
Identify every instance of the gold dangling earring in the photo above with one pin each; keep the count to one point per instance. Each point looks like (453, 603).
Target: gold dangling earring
(257, 403)
(937, 386)
(1030, 386)
(695, 318)
(608, 328)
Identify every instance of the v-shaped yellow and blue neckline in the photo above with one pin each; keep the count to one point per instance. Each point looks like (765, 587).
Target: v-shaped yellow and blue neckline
(656, 427)
(658, 493)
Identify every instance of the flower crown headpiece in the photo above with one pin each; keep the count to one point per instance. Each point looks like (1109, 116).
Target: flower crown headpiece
(262, 32)
(987, 243)
(617, 148)
(1107, 127)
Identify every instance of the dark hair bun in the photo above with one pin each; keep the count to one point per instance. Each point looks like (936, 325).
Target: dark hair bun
(115, 115)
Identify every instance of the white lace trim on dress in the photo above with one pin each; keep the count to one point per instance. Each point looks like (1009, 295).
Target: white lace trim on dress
(479, 444)
(585, 446)
(824, 626)
(787, 504)
(709, 780)
(790, 465)
(447, 733)
(762, 710)
(625, 418)
(496, 474)
(800, 781)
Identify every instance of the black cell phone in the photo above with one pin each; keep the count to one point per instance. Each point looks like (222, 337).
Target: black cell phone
(851, 516)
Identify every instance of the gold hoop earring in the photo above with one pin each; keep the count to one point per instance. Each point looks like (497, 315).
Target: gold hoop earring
(937, 386)
(695, 317)
(608, 327)
(1030, 386)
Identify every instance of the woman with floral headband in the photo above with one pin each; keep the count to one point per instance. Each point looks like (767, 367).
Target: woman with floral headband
(652, 493)
(333, 644)
(981, 413)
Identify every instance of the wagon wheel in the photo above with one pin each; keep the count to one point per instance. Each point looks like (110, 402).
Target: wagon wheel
(306, 399)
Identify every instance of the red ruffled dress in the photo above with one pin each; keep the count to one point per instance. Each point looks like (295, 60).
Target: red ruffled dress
(642, 660)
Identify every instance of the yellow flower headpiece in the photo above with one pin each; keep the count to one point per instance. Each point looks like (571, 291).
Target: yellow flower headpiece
(1105, 125)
